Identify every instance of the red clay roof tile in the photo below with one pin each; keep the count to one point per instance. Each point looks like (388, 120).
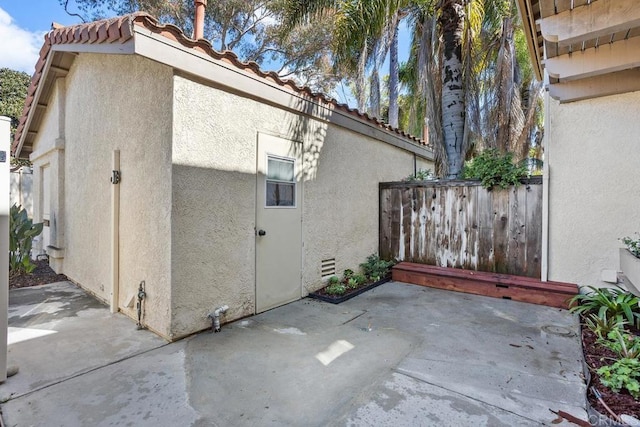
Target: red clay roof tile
(121, 29)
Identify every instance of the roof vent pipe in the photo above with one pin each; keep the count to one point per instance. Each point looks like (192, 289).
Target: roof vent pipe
(198, 23)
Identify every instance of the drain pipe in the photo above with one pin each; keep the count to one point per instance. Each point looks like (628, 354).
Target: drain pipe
(215, 317)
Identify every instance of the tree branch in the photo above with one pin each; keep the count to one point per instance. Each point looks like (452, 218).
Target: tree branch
(66, 9)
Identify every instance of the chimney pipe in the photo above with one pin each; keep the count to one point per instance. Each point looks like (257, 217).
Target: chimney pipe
(198, 24)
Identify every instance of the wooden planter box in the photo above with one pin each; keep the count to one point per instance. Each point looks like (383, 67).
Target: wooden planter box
(505, 286)
(630, 267)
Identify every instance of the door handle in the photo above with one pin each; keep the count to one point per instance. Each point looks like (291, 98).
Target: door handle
(261, 232)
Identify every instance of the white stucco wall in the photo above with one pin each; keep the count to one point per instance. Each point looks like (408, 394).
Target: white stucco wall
(214, 198)
(594, 157)
(120, 102)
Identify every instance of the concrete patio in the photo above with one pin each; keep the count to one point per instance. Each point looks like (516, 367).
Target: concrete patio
(398, 355)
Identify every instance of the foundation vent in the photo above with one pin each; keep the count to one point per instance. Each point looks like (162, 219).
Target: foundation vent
(328, 268)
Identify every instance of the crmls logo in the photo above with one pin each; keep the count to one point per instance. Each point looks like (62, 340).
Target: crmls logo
(599, 419)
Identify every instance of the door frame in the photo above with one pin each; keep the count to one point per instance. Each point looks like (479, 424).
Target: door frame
(299, 204)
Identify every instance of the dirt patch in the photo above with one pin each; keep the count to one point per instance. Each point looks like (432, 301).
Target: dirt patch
(597, 356)
(42, 275)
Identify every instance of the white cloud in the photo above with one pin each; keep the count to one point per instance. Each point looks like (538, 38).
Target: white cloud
(19, 48)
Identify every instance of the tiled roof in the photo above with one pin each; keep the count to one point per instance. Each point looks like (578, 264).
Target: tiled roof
(120, 30)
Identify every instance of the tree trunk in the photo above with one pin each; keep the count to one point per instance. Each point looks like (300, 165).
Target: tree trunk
(394, 73)
(374, 93)
(361, 96)
(453, 92)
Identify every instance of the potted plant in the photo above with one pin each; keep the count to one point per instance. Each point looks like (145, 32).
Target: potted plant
(630, 263)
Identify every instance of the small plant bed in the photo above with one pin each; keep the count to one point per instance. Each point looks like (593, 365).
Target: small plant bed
(339, 289)
(610, 321)
(42, 274)
(23, 271)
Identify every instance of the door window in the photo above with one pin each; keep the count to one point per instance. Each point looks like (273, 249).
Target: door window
(281, 182)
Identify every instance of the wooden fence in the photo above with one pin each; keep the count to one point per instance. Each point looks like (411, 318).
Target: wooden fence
(460, 224)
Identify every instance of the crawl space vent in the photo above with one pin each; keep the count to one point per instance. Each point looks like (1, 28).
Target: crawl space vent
(328, 268)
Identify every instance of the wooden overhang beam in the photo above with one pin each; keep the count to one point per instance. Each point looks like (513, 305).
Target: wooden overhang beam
(525, 8)
(594, 87)
(597, 19)
(607, 58)
(59, 70)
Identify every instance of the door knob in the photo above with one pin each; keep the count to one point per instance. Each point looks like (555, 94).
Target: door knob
(261, 232)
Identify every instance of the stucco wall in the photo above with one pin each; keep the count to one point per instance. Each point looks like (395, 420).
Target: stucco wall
(594, 157)
(120, 102)
(214, 198)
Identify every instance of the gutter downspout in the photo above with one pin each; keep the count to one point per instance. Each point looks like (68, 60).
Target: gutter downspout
(198, 24)
(544, 268)
(115, 233)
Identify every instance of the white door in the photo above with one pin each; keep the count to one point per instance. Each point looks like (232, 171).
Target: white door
(278, 222)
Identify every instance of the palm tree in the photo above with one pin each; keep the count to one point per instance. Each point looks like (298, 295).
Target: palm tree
(365, 30)
(462, 74)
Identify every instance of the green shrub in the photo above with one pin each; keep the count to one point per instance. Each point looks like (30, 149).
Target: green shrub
(352, 283)
(336, 289)
(420, 175)
(348, 273)
(22, 230)
(602, 325)
(633, 245)
(623, 344)
(360, 278)
(375, 268)
(623, 374)
(493, 168)
(617, 303)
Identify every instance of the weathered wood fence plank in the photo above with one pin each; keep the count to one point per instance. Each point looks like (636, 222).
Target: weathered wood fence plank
(462, 225)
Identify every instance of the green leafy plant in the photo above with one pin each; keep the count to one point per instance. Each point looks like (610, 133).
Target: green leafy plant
(614, 302)
(22, 230)
(375, 268)
(334, 280)
(494, 168)
(336, 289)
(602, 325)
(633, 245)
(360, 278)
(623, 344)
(420, 175)
(352, 283)
(623, 374)
(347, 273)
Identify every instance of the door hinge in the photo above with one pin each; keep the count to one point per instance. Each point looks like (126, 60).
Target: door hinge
(115, 177)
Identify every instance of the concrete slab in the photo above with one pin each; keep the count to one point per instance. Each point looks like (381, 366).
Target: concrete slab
(405, 401)
(57, 331)
(398, 355)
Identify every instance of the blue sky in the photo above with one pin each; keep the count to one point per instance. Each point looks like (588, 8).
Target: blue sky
(23, 24)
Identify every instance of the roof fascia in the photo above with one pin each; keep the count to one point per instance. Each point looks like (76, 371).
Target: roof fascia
(529, 26)
(164, 50)
(108, 48)
(127, 47)
(34, 103)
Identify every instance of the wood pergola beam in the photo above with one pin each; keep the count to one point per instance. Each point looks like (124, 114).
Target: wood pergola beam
(598, 19)
(608, 58)
(594, 87)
